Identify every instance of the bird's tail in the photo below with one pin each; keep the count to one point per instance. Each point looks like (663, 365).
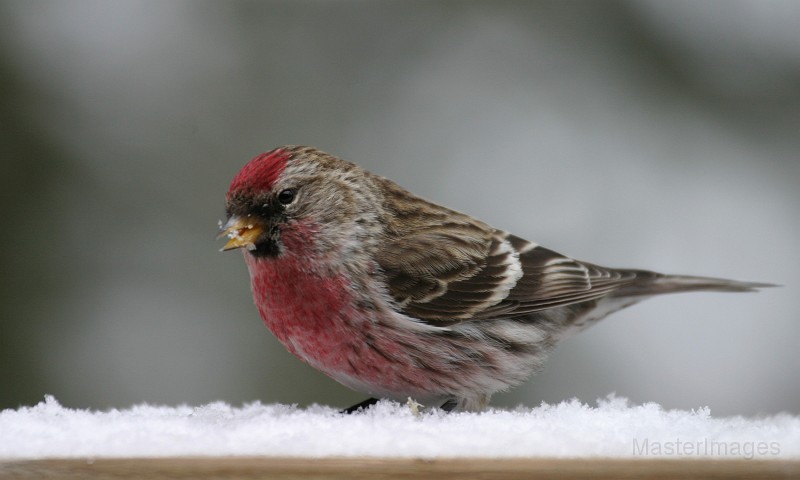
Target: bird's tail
(650, 283)
(645, 284)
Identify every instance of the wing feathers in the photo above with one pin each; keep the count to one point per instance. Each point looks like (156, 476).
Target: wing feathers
(451, 269)
(467, 297)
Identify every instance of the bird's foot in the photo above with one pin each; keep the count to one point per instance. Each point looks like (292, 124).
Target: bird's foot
(449, 405)
(360, 406)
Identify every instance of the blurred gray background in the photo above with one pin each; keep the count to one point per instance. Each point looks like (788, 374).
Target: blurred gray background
(662, 135)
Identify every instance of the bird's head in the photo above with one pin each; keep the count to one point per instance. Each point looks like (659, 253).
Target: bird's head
(295, 200)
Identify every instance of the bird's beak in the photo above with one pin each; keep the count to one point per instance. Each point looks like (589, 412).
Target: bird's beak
(242, 232)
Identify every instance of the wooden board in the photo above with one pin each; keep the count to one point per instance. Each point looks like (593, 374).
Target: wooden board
(362, 468)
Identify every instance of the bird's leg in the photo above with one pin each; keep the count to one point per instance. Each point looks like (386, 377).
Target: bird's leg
(360, 406)
(449, 405)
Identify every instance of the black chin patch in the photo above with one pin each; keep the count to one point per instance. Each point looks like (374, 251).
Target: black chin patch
(268, 245)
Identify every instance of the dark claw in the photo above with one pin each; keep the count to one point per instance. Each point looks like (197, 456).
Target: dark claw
(360, 406)
(449, 405)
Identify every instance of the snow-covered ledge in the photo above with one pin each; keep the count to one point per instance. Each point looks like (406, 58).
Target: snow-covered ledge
(612, 429)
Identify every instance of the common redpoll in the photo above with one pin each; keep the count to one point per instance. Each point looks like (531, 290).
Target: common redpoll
(398, 297)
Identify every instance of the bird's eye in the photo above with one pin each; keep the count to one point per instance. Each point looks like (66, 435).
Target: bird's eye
(286, 196)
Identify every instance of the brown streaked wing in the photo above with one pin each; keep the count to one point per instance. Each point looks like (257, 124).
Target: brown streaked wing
(418, 267)
(442, 278)
(552, 280)
(468, 297)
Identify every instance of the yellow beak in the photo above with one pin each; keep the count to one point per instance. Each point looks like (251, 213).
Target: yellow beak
(242, 232)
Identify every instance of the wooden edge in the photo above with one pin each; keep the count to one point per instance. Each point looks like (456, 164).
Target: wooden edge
(387, 468)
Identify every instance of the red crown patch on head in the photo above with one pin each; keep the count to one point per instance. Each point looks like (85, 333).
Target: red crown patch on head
(261, 172)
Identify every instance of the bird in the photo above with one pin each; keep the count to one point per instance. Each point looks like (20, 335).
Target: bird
(397, 297)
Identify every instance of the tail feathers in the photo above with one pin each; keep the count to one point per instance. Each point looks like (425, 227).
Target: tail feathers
(651, 283)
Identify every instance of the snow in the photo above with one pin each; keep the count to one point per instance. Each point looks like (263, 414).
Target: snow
(612, 428)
